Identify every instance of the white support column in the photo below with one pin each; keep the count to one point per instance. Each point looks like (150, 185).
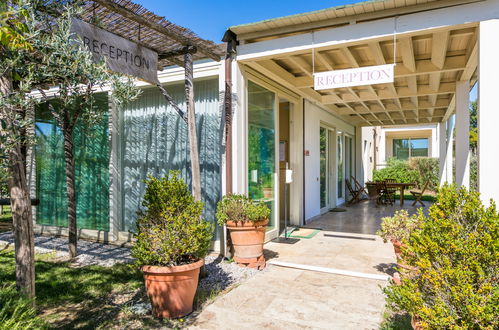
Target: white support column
(449, 168)
(442, 149)
(488, 113)
(359, 155)
(463, 133)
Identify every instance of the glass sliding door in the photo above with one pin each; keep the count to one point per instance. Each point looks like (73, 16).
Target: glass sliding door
(261, 147)
(323, 147)
(340, 168)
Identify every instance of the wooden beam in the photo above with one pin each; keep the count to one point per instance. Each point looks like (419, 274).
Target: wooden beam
(471, 64)
(191, 124)
(423, 90)
(439, 48)
(302, 65)
(177, 52)
(111, 5)
(434, 82)
(406, 49)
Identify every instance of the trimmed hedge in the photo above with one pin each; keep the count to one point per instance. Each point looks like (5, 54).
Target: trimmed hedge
(417, 169)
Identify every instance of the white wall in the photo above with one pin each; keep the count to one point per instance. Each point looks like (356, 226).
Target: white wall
(314, 117)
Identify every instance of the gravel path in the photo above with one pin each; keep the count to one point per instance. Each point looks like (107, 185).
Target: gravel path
(221, 274)
(89, 253)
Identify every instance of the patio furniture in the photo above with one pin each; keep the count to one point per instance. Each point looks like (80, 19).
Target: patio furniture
(372, 191)
(359, 187)
(401, 186)
(386, 195)
(355, 193)
(417, 195)
(391, 190)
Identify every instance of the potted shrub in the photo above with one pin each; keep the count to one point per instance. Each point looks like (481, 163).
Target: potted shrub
(397, 229)
(246, 221)
(170, 245)
(456, 253)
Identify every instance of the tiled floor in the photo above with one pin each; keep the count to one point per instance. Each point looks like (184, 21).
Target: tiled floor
(361, 218)
(287, 298)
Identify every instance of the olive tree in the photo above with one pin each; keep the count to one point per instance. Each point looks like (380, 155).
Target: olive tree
(38, 51)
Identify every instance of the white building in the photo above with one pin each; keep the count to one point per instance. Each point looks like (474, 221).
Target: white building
(404, 142)
(439, 48)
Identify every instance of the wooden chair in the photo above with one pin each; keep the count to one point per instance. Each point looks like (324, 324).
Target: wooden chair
(355, 193)
(391, 191)
(359, 187)
(386, 195)
(418, 195)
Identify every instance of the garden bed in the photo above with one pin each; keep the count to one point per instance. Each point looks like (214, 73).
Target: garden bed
(79, 295)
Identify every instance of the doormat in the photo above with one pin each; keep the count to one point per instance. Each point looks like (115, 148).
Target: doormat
(338, 209)
(303, 232)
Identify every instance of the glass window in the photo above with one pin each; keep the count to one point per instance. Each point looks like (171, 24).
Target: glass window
(91, 158)
(323, 166)
(261, 146)
(403, 149)
(419, 147)
(339, 156)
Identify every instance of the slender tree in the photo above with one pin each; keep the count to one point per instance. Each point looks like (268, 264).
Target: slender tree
(37, 51)
(70, 67)
(16, 77)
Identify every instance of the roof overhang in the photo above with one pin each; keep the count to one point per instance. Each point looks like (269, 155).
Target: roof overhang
(435, 50)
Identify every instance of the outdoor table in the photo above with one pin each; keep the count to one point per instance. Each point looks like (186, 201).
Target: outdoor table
(401, 186)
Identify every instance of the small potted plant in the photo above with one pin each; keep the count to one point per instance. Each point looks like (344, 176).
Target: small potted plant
(397, 229)
(170, 245)
(246, 221)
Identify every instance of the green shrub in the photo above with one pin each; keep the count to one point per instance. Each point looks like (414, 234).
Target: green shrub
(398, 227)
(428, 169)
(455, 258)
(474, 172)
(398, 170)
(239, 208)
(16, 311)
(171, 231)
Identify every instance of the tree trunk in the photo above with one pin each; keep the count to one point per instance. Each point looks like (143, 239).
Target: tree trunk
(191, 123)
(20, 202)
(70, 187)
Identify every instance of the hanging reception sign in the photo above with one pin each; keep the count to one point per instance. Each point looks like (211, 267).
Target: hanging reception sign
(368, 75)
(122, 55)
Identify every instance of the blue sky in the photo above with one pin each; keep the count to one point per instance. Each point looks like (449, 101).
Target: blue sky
(210, 19)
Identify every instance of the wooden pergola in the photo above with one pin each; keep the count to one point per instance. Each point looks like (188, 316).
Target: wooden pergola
(174, 45)
(135, 23)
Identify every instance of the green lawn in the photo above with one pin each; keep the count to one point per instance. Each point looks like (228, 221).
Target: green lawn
(409, 197)
(6, 219)
(91, 297)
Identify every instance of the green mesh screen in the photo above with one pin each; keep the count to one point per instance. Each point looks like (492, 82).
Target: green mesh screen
(91, 153)
(155, 141)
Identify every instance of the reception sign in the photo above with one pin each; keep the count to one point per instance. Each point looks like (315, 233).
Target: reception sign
(368, 75)
(122, 55)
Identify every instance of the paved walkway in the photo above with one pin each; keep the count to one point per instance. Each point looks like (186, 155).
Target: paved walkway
(285, 298)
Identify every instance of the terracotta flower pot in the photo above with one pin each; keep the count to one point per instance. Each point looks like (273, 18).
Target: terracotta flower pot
(172, 289)
(247, 238)
(397, 246)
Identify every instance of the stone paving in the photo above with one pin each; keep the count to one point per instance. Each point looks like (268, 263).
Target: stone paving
(286, 298)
